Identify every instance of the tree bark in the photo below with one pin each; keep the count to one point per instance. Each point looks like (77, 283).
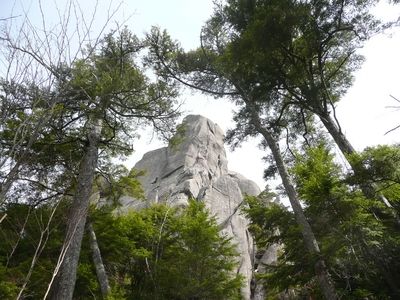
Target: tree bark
(64, 283)
(308, 235)
(337, 135)
(98, 262)
(367, 189)
(346, 148)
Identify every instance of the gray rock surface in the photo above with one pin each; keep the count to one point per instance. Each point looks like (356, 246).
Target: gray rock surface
(200, 170)
(263, 258)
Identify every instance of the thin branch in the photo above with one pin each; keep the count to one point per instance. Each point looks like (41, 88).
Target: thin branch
(392, 129)
(395, 98)
(3, 217)
(9, 18)
(44, 236)
(397, 107)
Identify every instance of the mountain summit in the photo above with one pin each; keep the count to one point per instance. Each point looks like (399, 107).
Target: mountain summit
(199, 169)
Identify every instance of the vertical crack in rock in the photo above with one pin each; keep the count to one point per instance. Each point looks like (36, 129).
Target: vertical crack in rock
(211, 126)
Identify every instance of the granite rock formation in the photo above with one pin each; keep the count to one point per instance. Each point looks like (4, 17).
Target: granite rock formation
(199, 169)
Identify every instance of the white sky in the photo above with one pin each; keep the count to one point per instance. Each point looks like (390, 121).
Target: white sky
(362, 113)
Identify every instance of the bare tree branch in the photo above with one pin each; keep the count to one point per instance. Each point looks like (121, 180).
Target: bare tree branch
(397, 108)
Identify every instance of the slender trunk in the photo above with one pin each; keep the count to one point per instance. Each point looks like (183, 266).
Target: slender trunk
(337, 135)
(346, 148)
(367, 189)
(98, 262)
(2, 218)
(308, 235)
(44, 236)
(11, 177)
(64, 283)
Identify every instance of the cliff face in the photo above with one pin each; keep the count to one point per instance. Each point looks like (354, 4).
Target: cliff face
(199, 169)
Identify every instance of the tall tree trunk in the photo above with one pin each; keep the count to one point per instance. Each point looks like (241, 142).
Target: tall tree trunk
(308, 235)
(367, 189)
(337, 135)
(64, 283)
(98, 262)
(346, 148)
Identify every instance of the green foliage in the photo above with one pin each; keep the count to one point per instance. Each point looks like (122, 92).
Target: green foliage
(86, 281)
(27, 114)
(157, 253)
(166, 253)
(379, 165)
(48, 135)
(8, 289)
(43, 132)
(112, 85)
(276, 225)
(302, 47)
(116, 181)
(285, 63)
(288, 60)
(24, 232)
(358, 236)
(178, 137)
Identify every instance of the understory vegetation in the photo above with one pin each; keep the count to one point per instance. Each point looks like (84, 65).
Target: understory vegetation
(156, 253)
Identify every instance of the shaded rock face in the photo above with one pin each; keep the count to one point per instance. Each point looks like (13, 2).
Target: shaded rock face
(263, 258)
(199, 169)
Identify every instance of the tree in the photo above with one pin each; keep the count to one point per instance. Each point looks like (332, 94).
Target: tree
(170, 253)
(107, 96)
(320, 179)
(159, 252)
(32, 169)
(282, 64)
(69, 117)
(87, 108)
(30, 241)
(32, 55)
(23, 117)
(32, 237)
(305, 53)
(120, 185)
(205, 70)
(98, 261)
(357, 245)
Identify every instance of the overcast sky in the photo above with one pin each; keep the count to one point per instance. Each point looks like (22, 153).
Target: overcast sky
(362, 113)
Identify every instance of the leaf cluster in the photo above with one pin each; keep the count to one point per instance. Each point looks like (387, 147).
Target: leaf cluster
(44, 128)
(358, 236)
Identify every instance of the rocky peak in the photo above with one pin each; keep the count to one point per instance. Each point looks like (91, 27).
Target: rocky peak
(199, 169)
